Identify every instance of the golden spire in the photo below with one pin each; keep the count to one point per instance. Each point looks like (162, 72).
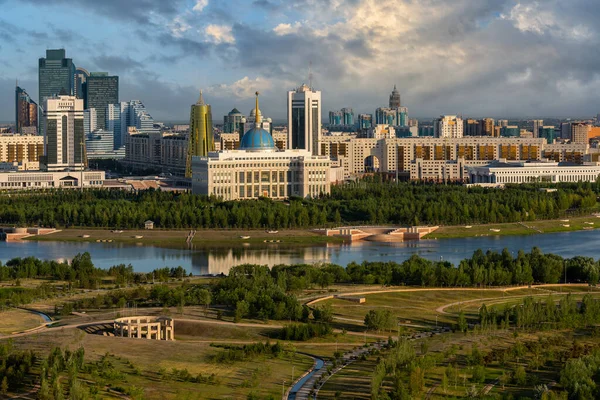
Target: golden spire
(257, 114)
(200, 101)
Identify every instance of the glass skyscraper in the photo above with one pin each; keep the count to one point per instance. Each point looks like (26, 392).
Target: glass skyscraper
(26, 112)
(100, 91)
(304, 119)
(201, 138)
(56, 75)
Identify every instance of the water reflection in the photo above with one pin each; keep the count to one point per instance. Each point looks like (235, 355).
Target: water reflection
(220, 260)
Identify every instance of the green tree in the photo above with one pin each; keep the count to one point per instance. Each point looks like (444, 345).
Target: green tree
(4, 386)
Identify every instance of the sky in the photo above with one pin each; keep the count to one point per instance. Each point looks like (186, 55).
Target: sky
(497, 58)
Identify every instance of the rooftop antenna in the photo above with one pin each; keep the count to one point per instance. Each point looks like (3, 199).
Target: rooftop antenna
(310, 75)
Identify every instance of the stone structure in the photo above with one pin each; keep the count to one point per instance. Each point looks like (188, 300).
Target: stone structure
(145, 327)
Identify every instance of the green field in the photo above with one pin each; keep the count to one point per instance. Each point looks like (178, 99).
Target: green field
(508, 229)
(177, 238)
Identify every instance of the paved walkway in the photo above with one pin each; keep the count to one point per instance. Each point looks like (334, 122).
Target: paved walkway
(321, 376)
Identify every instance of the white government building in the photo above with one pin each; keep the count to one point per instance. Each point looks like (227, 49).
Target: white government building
(527, 172)
(259, 169)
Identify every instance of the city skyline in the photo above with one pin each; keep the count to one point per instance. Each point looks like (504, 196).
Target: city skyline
(513, 59)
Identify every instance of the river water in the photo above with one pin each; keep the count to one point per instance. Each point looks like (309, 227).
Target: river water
(215, 261)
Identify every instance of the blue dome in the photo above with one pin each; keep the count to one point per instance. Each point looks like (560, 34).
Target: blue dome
(257, 139)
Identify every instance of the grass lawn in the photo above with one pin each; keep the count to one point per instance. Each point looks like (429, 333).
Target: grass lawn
(526, 228)
(15, 320)
(416, 307)
(140, 361)
(177, 238)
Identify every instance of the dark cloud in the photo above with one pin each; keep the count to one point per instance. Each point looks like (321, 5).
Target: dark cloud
(116, 64)
(266, 4)
(138, 11)
(188, 47)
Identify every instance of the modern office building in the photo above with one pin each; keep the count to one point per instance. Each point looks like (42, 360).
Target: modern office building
(343, 117)
(401, 155)
(201, 137)
(527, 172)
(139, 117)
(81, 76)
(257, 169)
(537, 124)
(232, 123)
(395, 99)
(21, 149)
(116, 121)
(385, 116)
(579, 132)
(548, 133)
(90, 121)
(487, 127)
(365, 121)
(100, 144)
(347, 116)
(335, 118)
(502, 123)
(26, 112)
(100, 91)
(448, 126)
(510, 131)
(471, 127)
(64, 146)
(304, 119)
(162, 151)
(56, 75)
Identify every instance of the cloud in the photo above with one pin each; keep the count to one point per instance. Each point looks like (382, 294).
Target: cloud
(140, 11)
(242, 88)
(472, 57)
(286, 29)
(200, 5)
(116, 64)
(219, 34)
(178, 27)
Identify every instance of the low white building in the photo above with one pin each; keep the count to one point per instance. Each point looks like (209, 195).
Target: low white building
(259, 169)
(32, 180)
(527, 172)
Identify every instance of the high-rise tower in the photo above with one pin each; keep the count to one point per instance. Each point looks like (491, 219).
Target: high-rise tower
(395, 98)
(304, 119)
(56, 75)
(26, 112)
(100, 91)
(201, 139)
(63, 134)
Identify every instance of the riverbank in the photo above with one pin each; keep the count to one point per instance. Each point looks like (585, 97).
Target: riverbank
(518, 228)
(177, 238)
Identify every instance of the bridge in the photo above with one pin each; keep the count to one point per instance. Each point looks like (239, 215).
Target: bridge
(379, 233)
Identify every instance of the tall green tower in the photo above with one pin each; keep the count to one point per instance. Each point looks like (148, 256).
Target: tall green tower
(201, 139)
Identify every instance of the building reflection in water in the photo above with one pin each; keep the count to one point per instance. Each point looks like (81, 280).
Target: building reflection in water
(220, 261)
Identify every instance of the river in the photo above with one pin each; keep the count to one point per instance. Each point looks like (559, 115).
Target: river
(215, 261)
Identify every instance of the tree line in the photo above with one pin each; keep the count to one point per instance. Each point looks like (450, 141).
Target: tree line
(370, 201)
(261, 292)
(543, 314)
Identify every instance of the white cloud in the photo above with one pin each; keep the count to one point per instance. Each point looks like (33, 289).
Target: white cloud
(178, 27)
(200, 5)
(536, 19)
(242, 88)
(286, 29)
(219, 34)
